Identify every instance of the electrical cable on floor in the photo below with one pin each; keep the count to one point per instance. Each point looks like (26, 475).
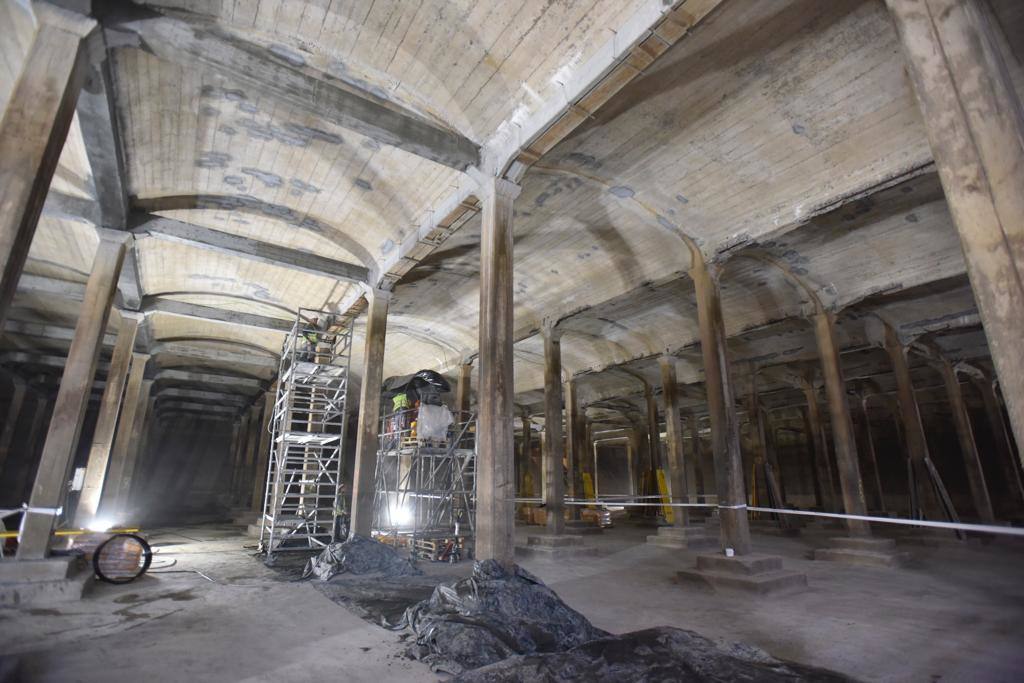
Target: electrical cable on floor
(196, 571)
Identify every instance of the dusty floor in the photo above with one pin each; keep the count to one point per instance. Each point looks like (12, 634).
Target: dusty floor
(953, 616)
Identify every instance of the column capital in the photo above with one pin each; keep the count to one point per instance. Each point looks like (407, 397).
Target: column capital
(62, 19)
(489, 186)
(549, 329)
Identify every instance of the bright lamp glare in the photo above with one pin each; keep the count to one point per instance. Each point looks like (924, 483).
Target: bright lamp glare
(401, 515)
(100, 524)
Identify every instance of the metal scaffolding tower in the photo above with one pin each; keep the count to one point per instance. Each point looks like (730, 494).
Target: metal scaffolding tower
(308, 435)
(425, 490)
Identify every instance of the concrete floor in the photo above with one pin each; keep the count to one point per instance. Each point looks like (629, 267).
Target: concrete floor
(953, 616)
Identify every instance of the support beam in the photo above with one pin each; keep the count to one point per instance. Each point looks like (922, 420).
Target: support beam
(653, 434)
(288, 84)
(1007, 463)
(554, 443)
(28, 461)
(573, 448)
(259, 483)
(110, 504)
(674, 439)
(244, 247)
(49, 490)
(463, 389)
(819, 449)
(850, 483)
(155, 304)
(135, 440)
(968, 447)
(106, 422)
(924, 501)
(32, 133)
(363, 484)
(725, 434)
(20, 388)
(869, 443)
(956, 57)
(495, 467)
(98, 121)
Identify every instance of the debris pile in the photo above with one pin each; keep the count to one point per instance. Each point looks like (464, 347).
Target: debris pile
(359, 555)
(653, 655)
(492, 615)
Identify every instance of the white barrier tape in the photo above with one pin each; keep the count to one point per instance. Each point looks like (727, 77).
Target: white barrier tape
(53, 512)
(741, 506)
(956, 526)
(978, 528)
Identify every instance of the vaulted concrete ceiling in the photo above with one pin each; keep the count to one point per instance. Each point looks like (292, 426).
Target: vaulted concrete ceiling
(781, 137)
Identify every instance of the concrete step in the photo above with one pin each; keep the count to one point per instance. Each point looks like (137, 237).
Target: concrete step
(679, 544)
(864, 558)
(740, 565)
(872, 544)
(43, 582)
(762, 583)
(553, 541)
(556, 552)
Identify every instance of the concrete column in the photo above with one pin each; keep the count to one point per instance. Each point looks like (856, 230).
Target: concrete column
(819, 449)
(965, 434)
(238, 457)
(463, 390)
(50, 488)
(869, 442)
(32, 134)
(674, 439)
(633, 458)
(135, 440)
(850, 482)
(764, 457)
(106, 422)
(725, 433)
(691, 461)
(554, 443)
(368, 427)
(956, 57)
(698, 484)
(575, 451)
(251, 454)
(495, 476)
(111, 504)
(1004, 453)
(26, 467)
(653, 433)
(11, 423)
(259, 485)
(523, 464)
(923, 498)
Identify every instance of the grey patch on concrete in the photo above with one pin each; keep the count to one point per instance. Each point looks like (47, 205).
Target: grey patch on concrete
(370, 143)
(227, 130)
(248, 107)
(387, 246)
(266, 177)
(287, 54)
(622, 191)
(799, 129)
(292, 134)
(234, 95)
(235, 180)
(211, 159)
(363, 184)
(667, 224)
(681, 199)
(583, 160)
(257, 206)
(912, 218)
(207, 110)
(302, 186)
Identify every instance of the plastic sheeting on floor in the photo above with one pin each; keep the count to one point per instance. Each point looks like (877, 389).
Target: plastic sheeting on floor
(359, 555)
(491, 616)
(506, 625)
(654, 655)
